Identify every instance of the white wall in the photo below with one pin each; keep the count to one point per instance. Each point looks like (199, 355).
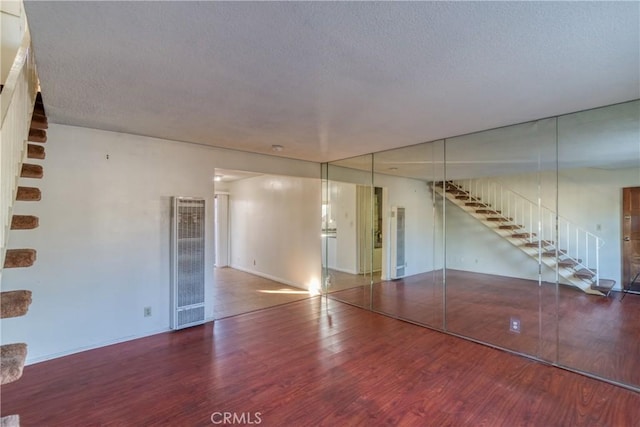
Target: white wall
(588, 197)
(12, 28)
(275, 228)
(343, 249)
(420, 242)
(103, 240)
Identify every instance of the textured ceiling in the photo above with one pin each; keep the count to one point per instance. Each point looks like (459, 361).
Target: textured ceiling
(329, 80)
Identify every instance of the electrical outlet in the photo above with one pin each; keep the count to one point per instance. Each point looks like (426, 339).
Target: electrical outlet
(147, 312)
(514, 325)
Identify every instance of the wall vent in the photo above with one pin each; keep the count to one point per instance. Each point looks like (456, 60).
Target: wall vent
(187, 262)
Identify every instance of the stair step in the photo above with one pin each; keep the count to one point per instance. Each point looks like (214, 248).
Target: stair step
(510, 227)
(24, 222)
(19, 258)
(604, 286)
(475, 204)
(569, 263)
(585, 273)
(12, 357)
(523, 235)
(552, 253)
(498, 219)
(457, 191)
(537, 243)
(28, 194)
(35, 152)
(464, 197)
(14, 303)
(37, 135)
(487, 212)
(31, 171)
(10, 421)
(39, 122)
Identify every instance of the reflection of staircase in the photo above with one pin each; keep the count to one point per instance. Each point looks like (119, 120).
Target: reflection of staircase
(23, 132)
(531, 228)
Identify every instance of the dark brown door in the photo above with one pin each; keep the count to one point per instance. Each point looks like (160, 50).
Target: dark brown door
(630, 234)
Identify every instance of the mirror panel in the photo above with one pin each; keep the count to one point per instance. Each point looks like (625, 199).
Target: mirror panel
(598, 200)
(410, 245)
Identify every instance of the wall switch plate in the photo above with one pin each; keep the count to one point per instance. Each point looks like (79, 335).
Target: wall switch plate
(514, 325)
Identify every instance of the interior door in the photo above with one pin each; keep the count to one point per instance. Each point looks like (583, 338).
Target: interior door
(630, 234)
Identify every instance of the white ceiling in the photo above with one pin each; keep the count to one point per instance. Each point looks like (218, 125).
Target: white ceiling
(329, 80)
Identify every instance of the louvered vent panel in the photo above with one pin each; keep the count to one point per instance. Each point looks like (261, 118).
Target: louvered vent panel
(187, 296)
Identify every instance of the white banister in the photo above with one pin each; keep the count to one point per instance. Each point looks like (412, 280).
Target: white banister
(17, 101)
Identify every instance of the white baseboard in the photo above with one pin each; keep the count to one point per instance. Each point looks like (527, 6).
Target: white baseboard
(270, 277)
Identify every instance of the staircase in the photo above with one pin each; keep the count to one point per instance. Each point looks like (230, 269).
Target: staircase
(532, 229)
(23, 133)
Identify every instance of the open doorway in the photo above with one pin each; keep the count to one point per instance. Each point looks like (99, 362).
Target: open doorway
(264, 231)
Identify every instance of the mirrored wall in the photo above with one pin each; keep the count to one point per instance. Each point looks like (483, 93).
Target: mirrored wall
(522, 237)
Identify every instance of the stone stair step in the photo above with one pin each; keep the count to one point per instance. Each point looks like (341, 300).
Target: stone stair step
(19, 258)
(14, 303)
(12, 357)
(28, 194)
(35, 152)
(37, 135)
(24, 222)
(31, 171)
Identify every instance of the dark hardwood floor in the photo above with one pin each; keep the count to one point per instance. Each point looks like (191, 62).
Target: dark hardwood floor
(312, 362)
(593, 334)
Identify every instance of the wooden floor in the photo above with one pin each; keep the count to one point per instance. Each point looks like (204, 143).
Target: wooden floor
(592, 334)
(236, 292)
(307, 363)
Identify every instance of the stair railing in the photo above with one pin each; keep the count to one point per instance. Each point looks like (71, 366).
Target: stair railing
(581, 246)
(17, 101)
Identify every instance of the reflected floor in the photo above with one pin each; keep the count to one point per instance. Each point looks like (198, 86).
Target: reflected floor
(236, 292)
(596, 334)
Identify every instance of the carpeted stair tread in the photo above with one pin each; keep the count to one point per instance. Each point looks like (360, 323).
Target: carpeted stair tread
(464, 197)
(569, 263)
(497, 219)
(10, 421)
(552, 253)
(487, 212)
(24, 222)
(535, 244)
(28, 194)
(585, 273)
(12, 357)
(510, 227)
(19, 258)
(35, 152)
(475, 204)
(523, 235)
(14, 303)
(39, 122)
(31, 171)
(37, 135)
(604, 286)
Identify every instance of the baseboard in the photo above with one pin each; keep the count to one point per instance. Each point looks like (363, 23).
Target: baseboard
(33, 361)
(342, 270)
(270, 277)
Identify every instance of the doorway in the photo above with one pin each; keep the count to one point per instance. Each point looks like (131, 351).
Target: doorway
(630, 235)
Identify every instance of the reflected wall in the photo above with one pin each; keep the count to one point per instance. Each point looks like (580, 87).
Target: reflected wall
(521, 237)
